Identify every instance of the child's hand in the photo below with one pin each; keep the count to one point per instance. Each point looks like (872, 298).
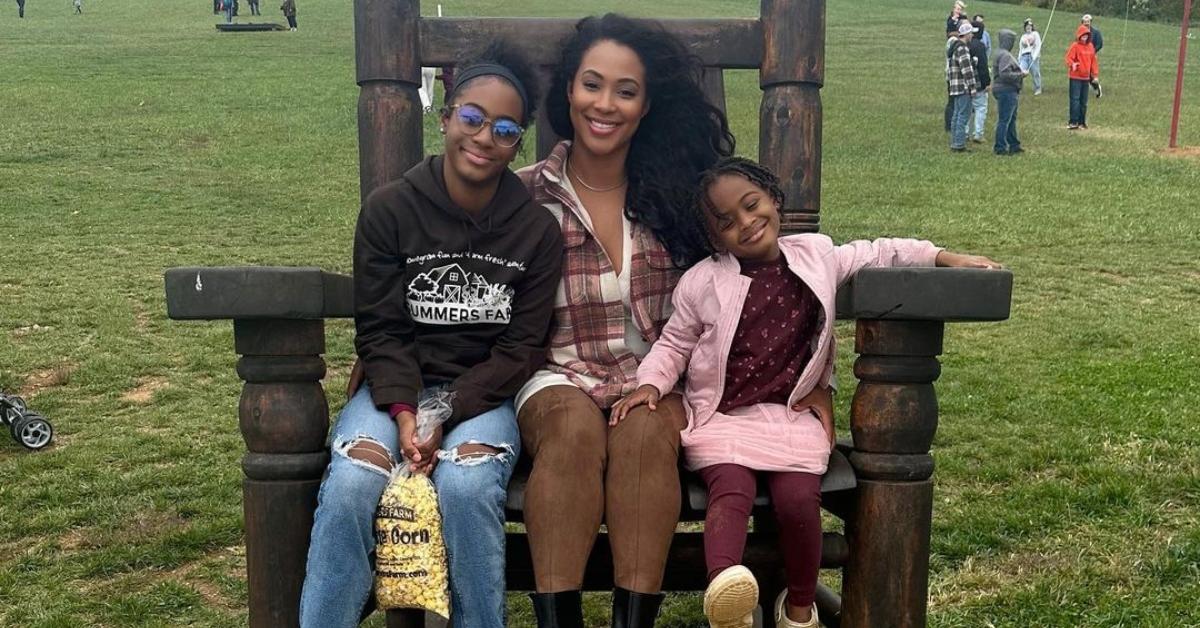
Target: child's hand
(820, 400)
(645, 393)
(960, 260)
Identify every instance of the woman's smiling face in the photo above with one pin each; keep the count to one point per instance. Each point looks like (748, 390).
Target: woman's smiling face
(608, 97)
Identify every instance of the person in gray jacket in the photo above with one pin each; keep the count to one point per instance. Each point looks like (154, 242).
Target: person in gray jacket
(1007, 76)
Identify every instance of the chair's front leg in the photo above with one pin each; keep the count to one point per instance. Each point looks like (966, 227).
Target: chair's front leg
(284, 420)
(893, 420)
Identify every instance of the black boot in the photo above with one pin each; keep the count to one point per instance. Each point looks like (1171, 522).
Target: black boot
(558, 610)
(635, 610)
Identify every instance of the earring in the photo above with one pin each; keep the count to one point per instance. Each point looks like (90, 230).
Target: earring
(442, 130)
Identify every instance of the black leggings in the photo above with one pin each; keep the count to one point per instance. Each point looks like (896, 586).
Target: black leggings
(291, 21)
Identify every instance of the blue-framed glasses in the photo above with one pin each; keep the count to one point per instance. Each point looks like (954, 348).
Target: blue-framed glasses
(505, 131)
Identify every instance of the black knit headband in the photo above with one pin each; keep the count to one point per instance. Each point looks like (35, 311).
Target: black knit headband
(492, 69)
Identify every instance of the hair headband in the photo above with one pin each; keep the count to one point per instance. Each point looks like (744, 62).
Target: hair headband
(492, 69)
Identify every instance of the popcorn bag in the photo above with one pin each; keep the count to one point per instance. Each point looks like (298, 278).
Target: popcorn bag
(410, 555)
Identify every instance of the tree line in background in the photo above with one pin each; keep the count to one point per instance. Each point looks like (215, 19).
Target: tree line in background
(1153, 10)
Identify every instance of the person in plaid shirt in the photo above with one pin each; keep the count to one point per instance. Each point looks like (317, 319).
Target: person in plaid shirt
(960, 76)
(627, 94)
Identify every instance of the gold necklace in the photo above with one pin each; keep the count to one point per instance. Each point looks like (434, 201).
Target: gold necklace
(571, 170)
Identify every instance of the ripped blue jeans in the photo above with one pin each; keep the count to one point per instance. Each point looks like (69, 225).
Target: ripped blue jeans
(471, 492)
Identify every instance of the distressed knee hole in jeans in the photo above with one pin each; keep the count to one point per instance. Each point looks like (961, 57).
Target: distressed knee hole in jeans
(368, 453)
(472, 453)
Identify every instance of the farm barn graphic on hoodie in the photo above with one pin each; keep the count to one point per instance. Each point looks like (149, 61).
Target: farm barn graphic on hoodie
(449, 295)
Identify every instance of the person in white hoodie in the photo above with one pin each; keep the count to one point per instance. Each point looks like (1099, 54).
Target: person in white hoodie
(1029, 55)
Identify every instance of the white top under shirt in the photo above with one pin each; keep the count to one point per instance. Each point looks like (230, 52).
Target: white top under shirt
(610, 283)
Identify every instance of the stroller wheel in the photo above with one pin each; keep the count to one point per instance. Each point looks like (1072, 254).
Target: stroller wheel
(33, 431)
(11, 414)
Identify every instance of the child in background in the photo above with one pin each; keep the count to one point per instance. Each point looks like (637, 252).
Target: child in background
(753, 331)
(78, 7)
(1084, 71)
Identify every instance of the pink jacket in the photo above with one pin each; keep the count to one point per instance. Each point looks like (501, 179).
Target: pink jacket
(708, 305)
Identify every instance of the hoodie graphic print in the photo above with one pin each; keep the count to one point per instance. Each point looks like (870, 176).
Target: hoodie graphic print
(443, 296)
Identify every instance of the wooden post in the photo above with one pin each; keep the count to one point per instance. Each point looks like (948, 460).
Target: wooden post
(789, 130)
(893, 419)
(284, 419)
(389, 74)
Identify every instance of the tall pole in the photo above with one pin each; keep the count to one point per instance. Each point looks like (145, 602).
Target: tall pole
(1183, 38)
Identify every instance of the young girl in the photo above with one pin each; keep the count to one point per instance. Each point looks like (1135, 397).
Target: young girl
(753, 330)
(455, 271)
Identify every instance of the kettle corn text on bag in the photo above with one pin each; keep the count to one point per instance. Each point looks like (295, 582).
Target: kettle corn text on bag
(410, 555)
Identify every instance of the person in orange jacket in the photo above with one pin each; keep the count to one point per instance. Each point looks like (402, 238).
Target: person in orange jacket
(1083, 69)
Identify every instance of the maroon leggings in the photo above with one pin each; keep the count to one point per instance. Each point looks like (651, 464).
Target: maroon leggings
(797, 501)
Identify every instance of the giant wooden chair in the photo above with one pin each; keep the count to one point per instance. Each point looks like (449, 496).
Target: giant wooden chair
(880, 483)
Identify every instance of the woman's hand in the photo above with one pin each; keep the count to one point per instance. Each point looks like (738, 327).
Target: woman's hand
(421, 456)
(961, 260)
(645, 393)
(820, 401)
(356, 378)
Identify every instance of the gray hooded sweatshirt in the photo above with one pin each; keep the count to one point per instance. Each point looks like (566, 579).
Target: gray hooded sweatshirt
(1006, 72)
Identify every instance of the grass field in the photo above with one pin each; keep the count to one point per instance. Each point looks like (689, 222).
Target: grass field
(135, 138)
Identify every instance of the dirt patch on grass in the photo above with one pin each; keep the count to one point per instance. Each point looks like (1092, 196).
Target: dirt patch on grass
(1182, 151)
(143, 393)
(54, 376)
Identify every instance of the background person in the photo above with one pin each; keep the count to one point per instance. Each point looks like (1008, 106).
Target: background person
(1030, 54)
(960, 77)
(1082, 69)
(1007, 77)
(289, 11)
(1097, 38)
(983, 83)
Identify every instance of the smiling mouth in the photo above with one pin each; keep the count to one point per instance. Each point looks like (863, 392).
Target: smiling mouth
(601, 127)
(476, 158)
(756, 232)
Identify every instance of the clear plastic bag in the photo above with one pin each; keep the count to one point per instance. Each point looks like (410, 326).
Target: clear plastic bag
(410, 555)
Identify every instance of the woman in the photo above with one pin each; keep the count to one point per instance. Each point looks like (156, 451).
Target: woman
(1030, 55)
(628, 96)
(455, 271)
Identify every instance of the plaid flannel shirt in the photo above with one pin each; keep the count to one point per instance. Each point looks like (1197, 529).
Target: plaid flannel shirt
(586, 328)
(960, 70)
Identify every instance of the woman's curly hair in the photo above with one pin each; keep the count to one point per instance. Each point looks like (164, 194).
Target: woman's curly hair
(680, 137)
(501, 52)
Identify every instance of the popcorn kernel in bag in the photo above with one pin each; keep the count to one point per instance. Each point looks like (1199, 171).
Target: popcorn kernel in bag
(410, 556)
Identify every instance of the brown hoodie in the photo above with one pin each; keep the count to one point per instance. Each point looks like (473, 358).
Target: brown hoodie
(445, 297)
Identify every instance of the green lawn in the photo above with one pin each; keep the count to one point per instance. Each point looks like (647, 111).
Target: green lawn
(136, 138)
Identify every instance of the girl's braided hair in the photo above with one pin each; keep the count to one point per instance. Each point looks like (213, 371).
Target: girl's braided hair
(752, 171)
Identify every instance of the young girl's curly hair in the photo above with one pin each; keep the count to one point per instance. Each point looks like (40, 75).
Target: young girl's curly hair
(752, 171)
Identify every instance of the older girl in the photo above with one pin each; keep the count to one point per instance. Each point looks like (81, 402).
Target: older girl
(454, 277)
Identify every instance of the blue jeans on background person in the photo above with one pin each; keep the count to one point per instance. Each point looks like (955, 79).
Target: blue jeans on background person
(1007, 102)
(1079, 98)
(471, 493)
(959, 121)
(979, 103)
(1034, 68)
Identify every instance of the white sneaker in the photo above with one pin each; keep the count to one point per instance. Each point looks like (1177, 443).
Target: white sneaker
(730, 599)
(781, 618)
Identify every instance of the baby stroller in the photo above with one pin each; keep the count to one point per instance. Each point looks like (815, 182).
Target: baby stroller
(28, 428)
